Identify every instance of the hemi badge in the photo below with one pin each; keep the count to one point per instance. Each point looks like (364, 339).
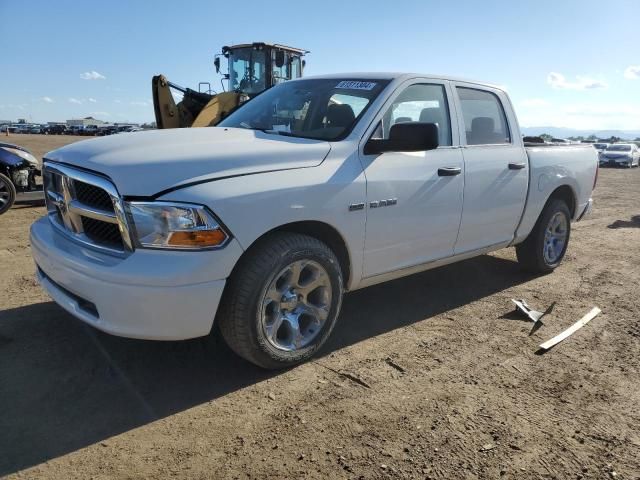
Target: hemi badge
(383, 203)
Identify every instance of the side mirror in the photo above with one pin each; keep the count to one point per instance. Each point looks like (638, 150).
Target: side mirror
(216, 62)
(279, 58)
(406, 137)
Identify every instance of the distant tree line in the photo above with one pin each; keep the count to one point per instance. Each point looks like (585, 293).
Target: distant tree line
(591, 138)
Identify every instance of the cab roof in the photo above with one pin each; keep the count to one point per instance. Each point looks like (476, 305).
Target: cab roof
(400, 76)
(300, 51)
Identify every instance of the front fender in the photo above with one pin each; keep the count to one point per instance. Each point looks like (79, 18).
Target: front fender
(253, 205)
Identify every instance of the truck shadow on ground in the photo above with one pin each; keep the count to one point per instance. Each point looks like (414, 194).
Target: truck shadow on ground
(64, 385)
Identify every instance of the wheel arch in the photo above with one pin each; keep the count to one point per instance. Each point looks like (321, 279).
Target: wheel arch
(322, 231)
(567, 195)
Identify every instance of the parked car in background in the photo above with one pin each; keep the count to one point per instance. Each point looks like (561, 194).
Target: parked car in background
(127, 128)
(601, 147)
(18, 171)
(58, 129)
(23, 128)
(621, 155)
(90, 130)
(36, 129)
(315, 187)
(74, 130)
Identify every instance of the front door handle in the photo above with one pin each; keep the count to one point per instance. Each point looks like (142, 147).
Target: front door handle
(449, 171)
(517, 166)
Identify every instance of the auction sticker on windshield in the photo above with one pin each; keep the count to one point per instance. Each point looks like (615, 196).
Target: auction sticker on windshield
(355, 85)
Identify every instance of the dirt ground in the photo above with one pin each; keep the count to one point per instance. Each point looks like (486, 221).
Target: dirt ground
(430, 376)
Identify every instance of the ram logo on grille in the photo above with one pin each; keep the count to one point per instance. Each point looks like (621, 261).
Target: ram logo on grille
(86, 207)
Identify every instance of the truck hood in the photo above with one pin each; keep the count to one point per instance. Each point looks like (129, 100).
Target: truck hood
(146, 163)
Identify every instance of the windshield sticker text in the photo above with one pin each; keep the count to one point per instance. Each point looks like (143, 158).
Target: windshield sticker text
(355, 85)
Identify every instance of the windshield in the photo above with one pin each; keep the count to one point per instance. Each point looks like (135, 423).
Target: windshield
(600, 146)
(619, 148)
(324, 109)
(247, 70)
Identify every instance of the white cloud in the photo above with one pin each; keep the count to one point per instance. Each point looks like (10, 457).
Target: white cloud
(47, 99)
(584, 116)
(632, 72)
(534, 103)
(92, 100)
(614, 111)
(75, 100)
(139, 104)
(118, 101)
(557, 80)
(92, 75)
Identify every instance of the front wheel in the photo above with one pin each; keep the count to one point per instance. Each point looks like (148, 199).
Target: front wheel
(282, 300)
(544, 248)
(7, 194)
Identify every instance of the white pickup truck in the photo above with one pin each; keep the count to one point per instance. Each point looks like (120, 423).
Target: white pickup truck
(316, 187)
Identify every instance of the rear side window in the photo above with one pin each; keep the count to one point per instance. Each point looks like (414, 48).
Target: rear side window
(484, 119)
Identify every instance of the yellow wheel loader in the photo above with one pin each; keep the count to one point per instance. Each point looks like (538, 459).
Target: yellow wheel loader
(252, 68)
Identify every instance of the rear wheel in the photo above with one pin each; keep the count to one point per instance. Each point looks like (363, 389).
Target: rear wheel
(544, 248)
(7, 193)
(282, 301)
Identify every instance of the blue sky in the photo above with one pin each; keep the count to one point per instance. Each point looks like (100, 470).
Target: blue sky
(564, 63)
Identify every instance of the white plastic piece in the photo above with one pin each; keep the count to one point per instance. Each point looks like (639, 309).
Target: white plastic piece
(572, 329)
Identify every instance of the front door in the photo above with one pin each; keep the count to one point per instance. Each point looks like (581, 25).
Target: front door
(414, 199)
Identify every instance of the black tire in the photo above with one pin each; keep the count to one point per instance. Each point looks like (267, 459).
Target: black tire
(240, 313)
(530, 253)
(7, 194)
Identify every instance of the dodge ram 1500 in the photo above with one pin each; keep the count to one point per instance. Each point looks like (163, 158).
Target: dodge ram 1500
(316, 187)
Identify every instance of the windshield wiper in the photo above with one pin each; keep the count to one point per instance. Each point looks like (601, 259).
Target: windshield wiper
(280, 132)
(271, 131)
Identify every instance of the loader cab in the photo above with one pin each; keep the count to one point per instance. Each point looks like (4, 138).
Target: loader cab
(257, 66)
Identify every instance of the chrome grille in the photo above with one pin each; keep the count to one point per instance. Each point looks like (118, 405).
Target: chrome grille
(86, 207)
(102, 232)
(92, 196)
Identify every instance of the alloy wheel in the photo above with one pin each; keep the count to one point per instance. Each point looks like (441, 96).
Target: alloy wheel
(555, 238)
(296, 305)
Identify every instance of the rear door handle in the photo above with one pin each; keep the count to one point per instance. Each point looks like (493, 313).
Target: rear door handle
(449, 171)
(517, 166)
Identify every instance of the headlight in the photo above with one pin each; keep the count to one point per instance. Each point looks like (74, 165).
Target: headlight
(175, 225)
(22, 154)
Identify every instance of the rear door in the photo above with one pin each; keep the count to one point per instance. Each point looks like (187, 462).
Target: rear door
(496, 168)
(414, 199)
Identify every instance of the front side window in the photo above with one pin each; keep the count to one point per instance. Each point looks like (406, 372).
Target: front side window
(323, 109)
(420, 103)
(484, 119)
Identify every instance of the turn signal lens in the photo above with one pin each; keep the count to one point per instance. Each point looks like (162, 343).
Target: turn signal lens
(203, 238)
